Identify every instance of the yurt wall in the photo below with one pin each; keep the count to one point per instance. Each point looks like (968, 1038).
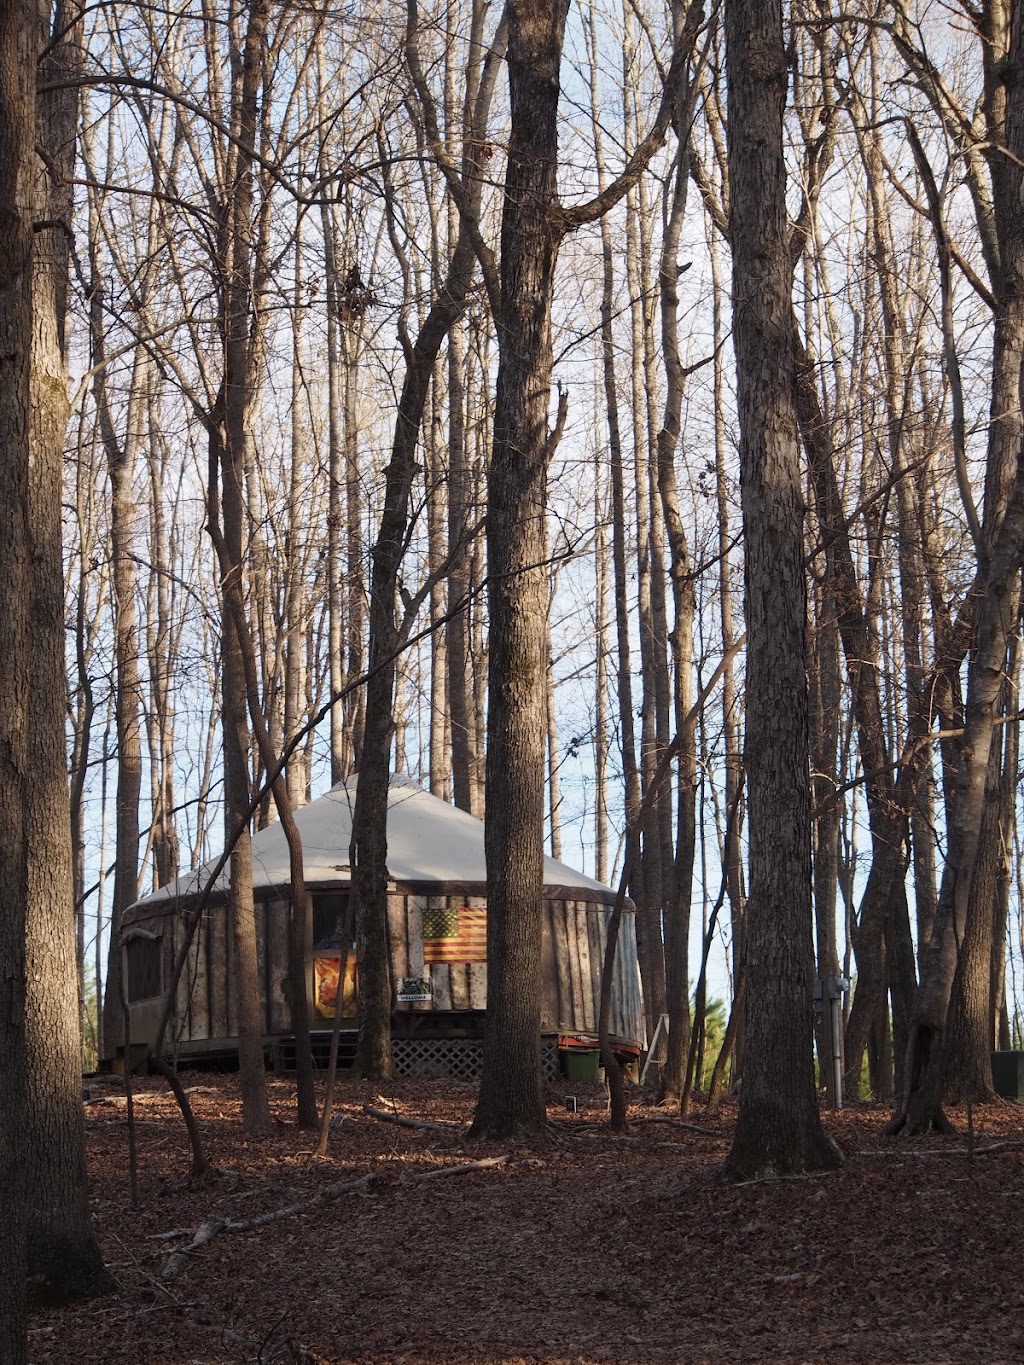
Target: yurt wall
(438, 945)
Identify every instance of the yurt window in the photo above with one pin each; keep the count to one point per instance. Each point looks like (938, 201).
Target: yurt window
(142, 966)
(329, 911)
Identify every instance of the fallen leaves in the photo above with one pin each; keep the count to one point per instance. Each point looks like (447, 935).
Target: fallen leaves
(576, 1253)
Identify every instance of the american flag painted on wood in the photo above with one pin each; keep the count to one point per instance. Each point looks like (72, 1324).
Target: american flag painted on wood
(455, 935)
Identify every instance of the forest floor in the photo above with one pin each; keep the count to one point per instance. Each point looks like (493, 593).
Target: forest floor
(586, 1249)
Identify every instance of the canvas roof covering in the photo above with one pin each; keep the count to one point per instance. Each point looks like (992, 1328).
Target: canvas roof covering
(429, 841)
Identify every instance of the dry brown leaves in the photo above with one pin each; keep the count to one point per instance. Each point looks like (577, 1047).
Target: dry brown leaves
(590, 1248)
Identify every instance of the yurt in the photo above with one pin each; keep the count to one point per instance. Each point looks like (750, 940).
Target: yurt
(437, 920)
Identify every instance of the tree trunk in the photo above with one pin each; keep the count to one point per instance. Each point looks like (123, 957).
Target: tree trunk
(460, 681)
(730, 702)
(921, 1104)
(778, 1129)
(968, 1061)
(996, 597)
(677, 909)
(826, 709)
(120, 454)
(623, 674)
(17, 166)
(435, 476)
(511, 1100)
(162, 648)
(62, 1249)
(230, 438)
(341, 759)
(647, 892)
(369, 819)
(884, 915)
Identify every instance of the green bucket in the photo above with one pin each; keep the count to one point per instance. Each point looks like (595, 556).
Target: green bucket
(581, 1063)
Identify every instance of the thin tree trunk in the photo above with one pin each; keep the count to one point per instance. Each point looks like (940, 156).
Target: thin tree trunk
(624, 676)
(730, 696)
(440, 721)
(677, 911)
(230, 453)
(120, 453)
(460, 681)
(369, 821)
(600, 680)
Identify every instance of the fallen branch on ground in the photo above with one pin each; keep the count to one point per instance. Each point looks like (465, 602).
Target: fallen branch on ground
(206, 1232)
(948, 1151)
(484, 1164)
(262, 1220)
(680, 1123)
(177, 1260)
(403, 1122)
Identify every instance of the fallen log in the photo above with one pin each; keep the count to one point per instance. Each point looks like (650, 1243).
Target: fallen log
(403, 1122)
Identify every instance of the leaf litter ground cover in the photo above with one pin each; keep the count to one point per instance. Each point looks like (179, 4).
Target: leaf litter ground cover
(585, 1249)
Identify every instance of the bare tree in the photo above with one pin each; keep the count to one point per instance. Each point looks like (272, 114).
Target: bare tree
(778, 1130)
(534, 223)
(369, 820)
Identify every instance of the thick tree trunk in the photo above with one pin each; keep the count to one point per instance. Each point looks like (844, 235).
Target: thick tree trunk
(17, 158)
(241, 907)
(999, 1029)
(600, 681)
(249, 1022)
(435, 476)
(778, 1129)
(511, 1099)
(62, 1249)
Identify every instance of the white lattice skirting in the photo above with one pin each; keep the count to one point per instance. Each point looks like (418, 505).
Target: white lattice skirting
(457, 1057)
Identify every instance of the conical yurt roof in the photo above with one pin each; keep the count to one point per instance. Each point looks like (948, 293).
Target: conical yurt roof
(430, 845)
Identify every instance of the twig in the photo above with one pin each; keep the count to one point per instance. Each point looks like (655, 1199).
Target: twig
(775, 1179)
